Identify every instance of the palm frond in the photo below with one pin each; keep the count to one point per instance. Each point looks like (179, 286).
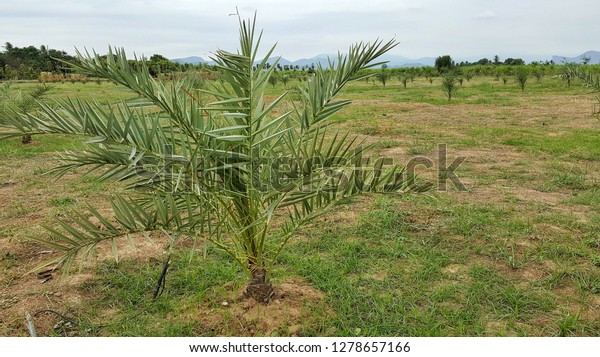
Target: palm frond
(319, 93)
(80, 232)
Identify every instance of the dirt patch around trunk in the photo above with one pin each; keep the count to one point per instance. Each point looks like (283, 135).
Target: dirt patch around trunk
(295, 310)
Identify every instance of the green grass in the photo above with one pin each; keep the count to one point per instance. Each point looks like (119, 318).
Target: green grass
(420, 147)
(41, 144)
(576, 144)
(128, 288)
(15, 210)
(387, 144)
(589, 198)
(62, 201)
(105, 92)
(385, 283)
(516, 255)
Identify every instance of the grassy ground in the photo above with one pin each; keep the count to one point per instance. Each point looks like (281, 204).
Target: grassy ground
(517, 253)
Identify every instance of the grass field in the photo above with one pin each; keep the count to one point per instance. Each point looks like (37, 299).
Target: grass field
(515, 254)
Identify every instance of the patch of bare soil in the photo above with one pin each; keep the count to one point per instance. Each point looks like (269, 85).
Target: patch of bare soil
(45, 296)
(456, 271)
(140, 248)
(495, 328)
(291, 312)
(548, 198)
(558, 111)
(593, 313)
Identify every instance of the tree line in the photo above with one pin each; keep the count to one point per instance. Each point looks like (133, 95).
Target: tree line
(28, 62)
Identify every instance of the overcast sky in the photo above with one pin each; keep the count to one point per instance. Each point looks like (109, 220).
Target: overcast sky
(532, 29)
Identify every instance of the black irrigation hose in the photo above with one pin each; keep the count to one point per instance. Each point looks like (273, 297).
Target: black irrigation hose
(37, 313)
(160, 287)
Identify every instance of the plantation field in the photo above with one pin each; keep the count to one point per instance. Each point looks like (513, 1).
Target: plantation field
(515, 251)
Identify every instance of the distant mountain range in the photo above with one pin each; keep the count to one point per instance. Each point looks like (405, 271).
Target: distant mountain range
(190, 60)
(592, 56)
(394, 61)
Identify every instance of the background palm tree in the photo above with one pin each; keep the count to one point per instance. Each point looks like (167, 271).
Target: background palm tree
(449, 80)
(220, 163)
(521, 74)
(383, 76)
(14, 102)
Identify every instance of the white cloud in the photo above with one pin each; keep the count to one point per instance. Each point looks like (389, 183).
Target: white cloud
(487, 14)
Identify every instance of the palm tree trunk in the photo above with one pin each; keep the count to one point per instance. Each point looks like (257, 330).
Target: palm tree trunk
(259, 287)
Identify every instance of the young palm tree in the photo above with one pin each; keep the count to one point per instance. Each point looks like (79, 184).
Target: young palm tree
(222, 169)
(383, 76)
(403, 79)
(17, 102)
(521, 74)
(589, 78)
(449, 80)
